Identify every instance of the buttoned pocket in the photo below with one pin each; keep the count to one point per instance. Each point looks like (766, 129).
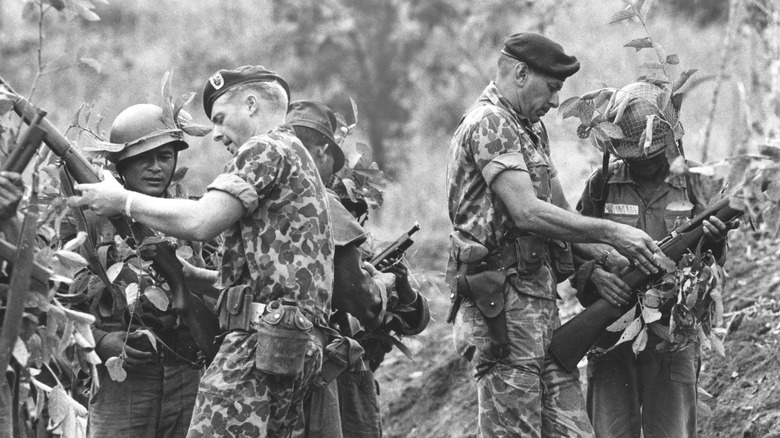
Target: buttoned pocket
(676, 214)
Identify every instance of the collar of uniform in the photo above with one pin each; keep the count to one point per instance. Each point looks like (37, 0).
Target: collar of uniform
(621, 175)
(492, 94)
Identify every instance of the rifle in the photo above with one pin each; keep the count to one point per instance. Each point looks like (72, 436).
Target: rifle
(396, 249)
(202, 323)
(571, 341)
(39, 274)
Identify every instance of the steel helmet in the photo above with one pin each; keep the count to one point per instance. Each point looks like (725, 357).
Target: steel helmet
(644, 100)
(141, 128)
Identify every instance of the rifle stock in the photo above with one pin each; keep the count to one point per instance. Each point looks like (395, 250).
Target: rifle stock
(571, 341)
(202, 324)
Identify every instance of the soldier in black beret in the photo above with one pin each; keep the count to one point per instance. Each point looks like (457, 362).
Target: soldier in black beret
(512, 231)
(276, 274)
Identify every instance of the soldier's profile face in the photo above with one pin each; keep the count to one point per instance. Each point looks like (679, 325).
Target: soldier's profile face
(151, 172)
(232, 123)
(539, 95)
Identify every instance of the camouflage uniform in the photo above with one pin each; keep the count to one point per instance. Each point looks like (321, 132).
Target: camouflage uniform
(282, 247)
(526, 393)
(652, 392)
(348, 406)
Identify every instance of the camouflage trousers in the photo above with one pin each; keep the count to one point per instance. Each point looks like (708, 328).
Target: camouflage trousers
(237, 400)
(527, 394)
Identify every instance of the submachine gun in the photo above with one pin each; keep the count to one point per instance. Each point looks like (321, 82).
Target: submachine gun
(202, 323)
(396, 249)
(571, 341)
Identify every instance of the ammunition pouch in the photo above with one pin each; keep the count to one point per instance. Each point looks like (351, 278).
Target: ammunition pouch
(283, 335)
(234, 308)
(341, 354)
(561, 259)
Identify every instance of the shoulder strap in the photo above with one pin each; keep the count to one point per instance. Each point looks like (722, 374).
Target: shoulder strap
(600, 198)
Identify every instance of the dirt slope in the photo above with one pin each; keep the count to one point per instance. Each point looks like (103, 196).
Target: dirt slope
(433, 396)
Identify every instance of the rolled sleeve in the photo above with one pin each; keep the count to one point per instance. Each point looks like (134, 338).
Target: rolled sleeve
(238, 188)
(510, 161)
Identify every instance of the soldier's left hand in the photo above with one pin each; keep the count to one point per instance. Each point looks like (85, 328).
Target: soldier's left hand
(715, 230)
(406, 294)
(106, 198)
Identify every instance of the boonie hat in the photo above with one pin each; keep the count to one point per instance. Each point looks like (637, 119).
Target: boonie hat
(315, 115)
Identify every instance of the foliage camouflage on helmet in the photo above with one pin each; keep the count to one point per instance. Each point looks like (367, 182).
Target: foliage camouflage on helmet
(166, 123)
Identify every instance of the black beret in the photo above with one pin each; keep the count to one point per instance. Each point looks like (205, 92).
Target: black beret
(223, 80)
(541, 54)
(315, 115)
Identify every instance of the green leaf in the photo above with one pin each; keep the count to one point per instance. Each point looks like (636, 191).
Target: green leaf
(717, 344)
(640, 43)
(662, 261)
(612, 130)
(624, 14)
(702, 410)
(131, 294)
(650, 314)
(640, 342)
(57, 4)
(157, 297)
(180, 173)
(92, 63)
(659, 51)
(76, 242)
(631, 332)
(653, 65)
(684, 76)
(113, 271)
(623, 321)
(648, 133)
(672, 59)
(149, 335)
(116, 369)
(569, 107)
(29, 9)
(354, 110)
(71, 259)
(6, 104)
(20, 352)
(184, 252)
(180, 103)
(195, 130)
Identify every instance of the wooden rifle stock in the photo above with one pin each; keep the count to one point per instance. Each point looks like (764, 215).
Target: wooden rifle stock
(571, 341)
(202, 323)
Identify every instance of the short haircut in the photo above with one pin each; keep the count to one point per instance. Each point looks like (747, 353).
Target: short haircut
(269, 91)
(506, 66)
(311, 137)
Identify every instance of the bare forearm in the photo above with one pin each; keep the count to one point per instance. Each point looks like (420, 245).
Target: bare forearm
(180, 218)
(548, 220)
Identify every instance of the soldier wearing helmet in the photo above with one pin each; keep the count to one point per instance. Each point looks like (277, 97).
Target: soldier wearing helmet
(147, 161)
(157, 397)
(652, 393)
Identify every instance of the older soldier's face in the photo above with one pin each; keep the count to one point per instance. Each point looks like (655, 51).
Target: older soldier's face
(232, 122)
(538, 95)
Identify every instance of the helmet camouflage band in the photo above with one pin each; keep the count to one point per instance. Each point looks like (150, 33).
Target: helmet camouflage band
(141, 128)
(633, 105)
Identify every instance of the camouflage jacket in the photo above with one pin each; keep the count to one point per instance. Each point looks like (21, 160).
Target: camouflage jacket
(492, 137)
(282, 245)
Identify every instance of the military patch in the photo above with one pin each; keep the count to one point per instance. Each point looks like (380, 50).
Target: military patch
(624, 209)
(217, 81)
